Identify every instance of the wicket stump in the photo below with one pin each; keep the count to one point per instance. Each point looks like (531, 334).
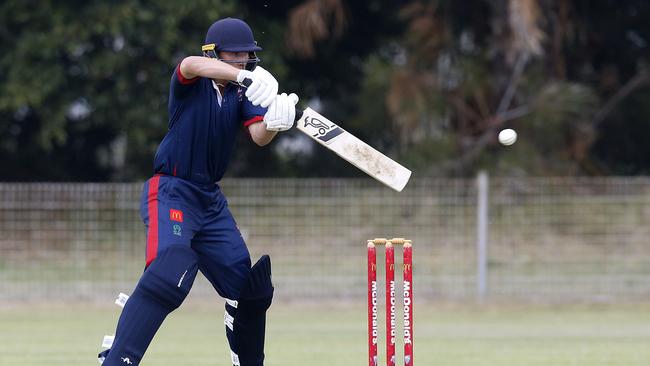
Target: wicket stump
(373, 333)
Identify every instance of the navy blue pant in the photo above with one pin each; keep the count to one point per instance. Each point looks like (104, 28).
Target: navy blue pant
(189, 228)
(178, 212)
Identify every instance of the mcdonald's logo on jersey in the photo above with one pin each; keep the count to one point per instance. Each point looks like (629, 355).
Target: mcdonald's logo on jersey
(176, 215)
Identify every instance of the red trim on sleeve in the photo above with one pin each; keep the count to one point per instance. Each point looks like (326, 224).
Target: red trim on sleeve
(253, 120)
(182, 78)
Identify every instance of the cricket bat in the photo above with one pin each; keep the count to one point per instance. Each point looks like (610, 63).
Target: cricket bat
(350, 148)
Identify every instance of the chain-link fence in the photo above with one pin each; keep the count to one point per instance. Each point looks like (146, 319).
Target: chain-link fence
(547, 239)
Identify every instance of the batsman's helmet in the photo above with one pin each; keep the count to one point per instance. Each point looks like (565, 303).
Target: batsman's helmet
(232, 35)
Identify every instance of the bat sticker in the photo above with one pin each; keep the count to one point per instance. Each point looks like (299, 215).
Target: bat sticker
(322, 129)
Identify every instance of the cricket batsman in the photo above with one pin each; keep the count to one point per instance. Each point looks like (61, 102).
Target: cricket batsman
(189, 226)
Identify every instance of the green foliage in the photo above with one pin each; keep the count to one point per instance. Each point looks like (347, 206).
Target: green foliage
(560, 102)
(623, 145)
(83, 92)
(373, 94)
(471, 58)
(88, 80)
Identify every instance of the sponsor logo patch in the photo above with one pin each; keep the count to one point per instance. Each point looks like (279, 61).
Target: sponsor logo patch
(176, 215)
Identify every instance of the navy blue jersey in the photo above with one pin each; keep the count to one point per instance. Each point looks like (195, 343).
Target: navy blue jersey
(202, 134)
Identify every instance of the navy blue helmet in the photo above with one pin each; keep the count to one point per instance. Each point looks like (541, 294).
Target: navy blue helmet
(232, 35)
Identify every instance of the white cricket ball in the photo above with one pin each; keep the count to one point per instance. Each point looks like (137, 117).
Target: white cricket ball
(507, 137)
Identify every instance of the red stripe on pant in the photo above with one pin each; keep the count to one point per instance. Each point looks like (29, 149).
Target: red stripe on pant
(152, 231)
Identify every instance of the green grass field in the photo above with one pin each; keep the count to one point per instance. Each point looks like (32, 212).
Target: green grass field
(320, 335)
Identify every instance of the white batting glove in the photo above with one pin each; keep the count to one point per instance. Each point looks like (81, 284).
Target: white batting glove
(263, 89)
(281, 113)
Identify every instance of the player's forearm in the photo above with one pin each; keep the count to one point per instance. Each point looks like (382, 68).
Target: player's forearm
(260, 134)
(194, 66)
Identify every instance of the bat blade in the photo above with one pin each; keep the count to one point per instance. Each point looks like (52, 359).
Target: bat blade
(352, 149)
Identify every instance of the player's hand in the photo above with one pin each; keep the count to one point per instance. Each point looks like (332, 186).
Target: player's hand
(281, 113)
(263, 88)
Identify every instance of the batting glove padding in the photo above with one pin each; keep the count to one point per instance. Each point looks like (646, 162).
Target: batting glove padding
(263, 88)
(281, 113)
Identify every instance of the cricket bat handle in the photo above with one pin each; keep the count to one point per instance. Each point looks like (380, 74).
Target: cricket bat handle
(247, 82)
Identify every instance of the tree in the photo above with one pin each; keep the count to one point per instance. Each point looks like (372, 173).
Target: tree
(84, 86)
(464, 70)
